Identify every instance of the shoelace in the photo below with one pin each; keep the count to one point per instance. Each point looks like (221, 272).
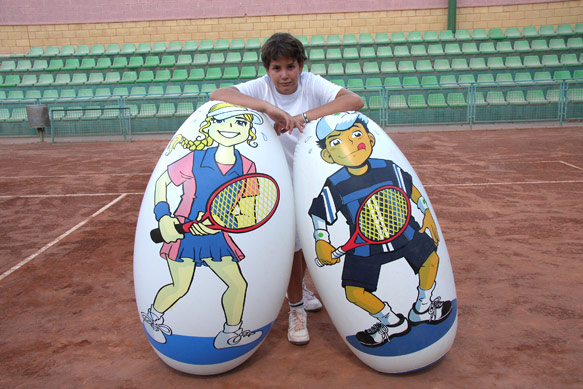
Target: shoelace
(298, 322)
(239, 335)
(435, 305)
(148, 319)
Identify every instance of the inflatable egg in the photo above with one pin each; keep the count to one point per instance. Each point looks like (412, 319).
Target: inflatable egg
(210, 268)
(373, 244)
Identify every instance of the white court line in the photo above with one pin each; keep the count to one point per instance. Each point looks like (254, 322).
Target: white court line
(570, 165)
(59, 238)
(69, 195)
(504, 183)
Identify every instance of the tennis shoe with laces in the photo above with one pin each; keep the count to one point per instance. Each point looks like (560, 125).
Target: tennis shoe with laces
(297, 332)
(240, 337)
(436, 312)
(311, 302)
(380, 333)
(155, 326)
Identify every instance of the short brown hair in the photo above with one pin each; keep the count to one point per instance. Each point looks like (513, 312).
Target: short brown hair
(282, 45)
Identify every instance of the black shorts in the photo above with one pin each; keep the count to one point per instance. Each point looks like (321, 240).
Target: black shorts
(364, 271)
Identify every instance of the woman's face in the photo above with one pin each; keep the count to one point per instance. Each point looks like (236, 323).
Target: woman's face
(230, 131)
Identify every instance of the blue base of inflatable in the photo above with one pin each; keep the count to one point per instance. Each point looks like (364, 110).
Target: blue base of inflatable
(195, 350)
(418, 338)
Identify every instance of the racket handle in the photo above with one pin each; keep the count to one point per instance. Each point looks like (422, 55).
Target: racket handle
(156, 234)
(336, 254)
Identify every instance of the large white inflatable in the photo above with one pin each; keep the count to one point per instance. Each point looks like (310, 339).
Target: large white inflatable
(210, 268)
(373, 245)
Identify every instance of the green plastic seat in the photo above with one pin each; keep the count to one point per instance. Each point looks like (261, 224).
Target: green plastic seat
(128, 49)
(423, 66)
(564, 30)
(233, 57)
(496, 33)
(373, 83)
(522, 46)
(436, 100)
(569, 60)
(463, 35)
(172, 47)
(131, 76)
(539, 45)
(411, 82)
(55, 65)
(393, 82)
(466, 79)
(250, 57)
(162, 75)
(495, 63)
(50, 94)
(452, 49)
(15, 95)
(561, 75)
(504, 47)
(513, 62)
(78, 79)
(401, 51)
(550, 60)
(68, 94)
(547, 31)
(231, 73)
(381, 38)
(85, 93)
(23, 65)
(575, 95)
(115, 77)
(35, 51)
(542, 76)
(220, 45)
(388, 67)
(351, 53)
(87, 63)
(28, 80)
(459, 65)
(495, 98)
(485, 79)
(155, 91)
(553, 95)
(102, 93)
(435, 49)
(397, 102)
(190, 89)
(253, 44)
(103, 63)
(333, 40)
(208, 87)
(416, 101)
(414, 37)
(365, 39)
(92, 112)
(335, 69)
(355, 84)
(418, 50)
(516, 97)
(179, 75)
(370, 67)
(112, 49)
(62, 79)
(557, 44)
(316, 55)
(522, 77)
(430, 36)
(441, 65)
(11, 80)
(145, 48)
(406, 66)
(8, 66)
(151, 61)
(51, 51)
(135, 62)
(237, 44)
(398, 38)
(575, 43)
(504, 78)
(487, 48)
(213, 74)
(448, 80)
(446, 36)
(196, 74)
(316, 40)
(119, 63)
(513, 33)
(40, 65)
(367, 53)
(469, 48)
(384, 52)
(532, 61)
(429, 82)
(95, 78)
(456, 99)
(82, 50)
(535, 96)
(45, 80)
(333, 54)
(479, 34)
(353, 69)
(319, 68)
(530, 32)
(216, 58)
(184, 109)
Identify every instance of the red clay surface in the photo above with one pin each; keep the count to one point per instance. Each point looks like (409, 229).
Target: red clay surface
(508, 202)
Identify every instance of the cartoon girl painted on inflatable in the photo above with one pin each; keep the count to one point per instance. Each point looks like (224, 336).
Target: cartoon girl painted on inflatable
(228, 125)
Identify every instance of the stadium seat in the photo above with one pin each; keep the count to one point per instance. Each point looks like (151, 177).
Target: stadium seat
(504, 47)
(414, 37)
(62, 79)
(429, 82)
(367, 53)
(522, 46)
(479, 34)
(416, 101)
(78, 79)
(530, 32)
(216, 58)
(179, 75)
(95, 78)
(145, 48)
(495, 98)
(456, 99)
(200, 59)
(446, 36)
(466, 79)
(398, 38)
(496, 33)
(382, 38)
(184, 109)
(384, 52)
(430, 36)
(423, 65)
(252, 44)
(351, 53)
(335, 69)
(516, 97)
(45, 80)
(435, 49)
(546, 31)
(463, 35)
(151, 61)
(418, 51)
(130, 76)
(233, 58)
(196, 74)
(397, 102)
(168, 61)
(162, 75)
(535, 96)
(103, 63)
(135, 62)
(250, 57)
(513, 33)
(172, 47)
(119, 63)
(401, 51)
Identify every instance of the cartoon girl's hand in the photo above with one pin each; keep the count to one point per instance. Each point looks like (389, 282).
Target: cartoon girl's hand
(428, 222)
(201, 229)
(324, 252)
(167, 225)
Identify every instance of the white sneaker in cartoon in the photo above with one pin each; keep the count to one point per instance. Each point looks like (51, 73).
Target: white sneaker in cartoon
(240, 337)
(436, 312)
(155, 326)
(380, 333)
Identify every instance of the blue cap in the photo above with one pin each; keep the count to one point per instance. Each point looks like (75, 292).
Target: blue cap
(337, 122)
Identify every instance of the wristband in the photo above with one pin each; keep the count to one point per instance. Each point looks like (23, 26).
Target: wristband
(422, 204)
(305, 118)
(162, 209)
(322, 235)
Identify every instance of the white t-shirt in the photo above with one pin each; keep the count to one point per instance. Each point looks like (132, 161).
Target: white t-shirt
(313, 91)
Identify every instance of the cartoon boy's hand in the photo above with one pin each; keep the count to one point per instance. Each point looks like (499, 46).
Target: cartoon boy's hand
(324, 252)
(428, 222)
(201, 229)
(167, 225)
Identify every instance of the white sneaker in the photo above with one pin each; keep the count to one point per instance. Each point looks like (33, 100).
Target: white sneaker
(155, 326)
(311, 302)
(297, 332)
(240, 337)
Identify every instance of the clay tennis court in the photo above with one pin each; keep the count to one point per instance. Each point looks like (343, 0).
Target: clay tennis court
(508, 202)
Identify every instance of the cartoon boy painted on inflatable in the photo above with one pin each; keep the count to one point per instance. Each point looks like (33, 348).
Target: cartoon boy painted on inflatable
(199, 173)
(345, 140)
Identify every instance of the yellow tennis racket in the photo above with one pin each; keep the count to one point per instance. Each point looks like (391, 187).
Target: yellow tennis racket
(240, 205)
